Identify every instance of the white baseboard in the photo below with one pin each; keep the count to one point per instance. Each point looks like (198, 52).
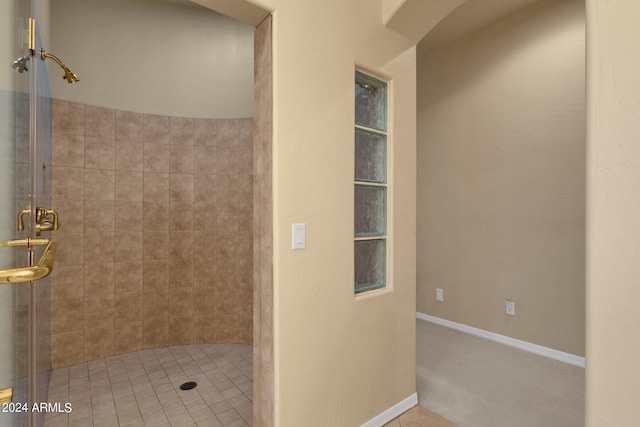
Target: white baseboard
(561, 356)
(393, 412)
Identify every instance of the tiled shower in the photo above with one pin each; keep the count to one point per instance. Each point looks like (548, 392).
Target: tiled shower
(156, 231)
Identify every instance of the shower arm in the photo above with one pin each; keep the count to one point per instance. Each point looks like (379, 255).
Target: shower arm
(68, 74)
(44, 55)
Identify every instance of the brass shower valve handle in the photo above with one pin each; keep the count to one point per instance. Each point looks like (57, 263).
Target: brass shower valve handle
(46, 220)
(21, 214)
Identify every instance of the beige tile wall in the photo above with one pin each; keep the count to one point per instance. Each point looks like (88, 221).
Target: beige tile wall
(263, 351)
(156, 231)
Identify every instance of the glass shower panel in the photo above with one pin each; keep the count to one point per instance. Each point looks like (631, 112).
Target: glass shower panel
(14, 195)
(7, 227)
(22, 290)
(40, 181)
(25, 182)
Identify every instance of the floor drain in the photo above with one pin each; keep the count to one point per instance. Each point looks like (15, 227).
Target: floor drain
(188, 386)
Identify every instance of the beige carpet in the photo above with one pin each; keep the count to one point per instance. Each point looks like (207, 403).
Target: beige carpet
(474, 382)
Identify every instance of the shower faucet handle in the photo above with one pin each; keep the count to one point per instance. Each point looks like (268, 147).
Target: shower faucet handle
(46, 220)
(21, 214)
(44, 223)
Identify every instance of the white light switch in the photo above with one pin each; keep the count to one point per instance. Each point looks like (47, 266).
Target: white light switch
(299, 236)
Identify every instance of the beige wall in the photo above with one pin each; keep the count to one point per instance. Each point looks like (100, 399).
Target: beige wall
(338, 360)
(153, 57)
(501, 177)
(613, 214)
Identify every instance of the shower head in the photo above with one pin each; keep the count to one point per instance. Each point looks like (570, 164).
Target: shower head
(69, 75)
(20, 65)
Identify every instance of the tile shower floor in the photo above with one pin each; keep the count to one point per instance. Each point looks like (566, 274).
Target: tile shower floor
(143, 388)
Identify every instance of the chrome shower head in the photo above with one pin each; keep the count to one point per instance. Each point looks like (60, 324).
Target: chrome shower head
(20, 65)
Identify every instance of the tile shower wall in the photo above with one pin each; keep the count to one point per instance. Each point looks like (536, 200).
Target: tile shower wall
(263, 365)
(156, 231)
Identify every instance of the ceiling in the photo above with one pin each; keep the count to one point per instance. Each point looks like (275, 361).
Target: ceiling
(471, 16)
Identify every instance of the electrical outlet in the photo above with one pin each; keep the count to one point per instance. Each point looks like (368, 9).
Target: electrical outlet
(511, 307)
(439, 294)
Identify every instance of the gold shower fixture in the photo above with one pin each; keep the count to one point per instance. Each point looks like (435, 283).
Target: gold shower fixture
(69, 75)
(20, 64)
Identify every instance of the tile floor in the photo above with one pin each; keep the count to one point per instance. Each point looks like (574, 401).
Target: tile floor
(143, 388)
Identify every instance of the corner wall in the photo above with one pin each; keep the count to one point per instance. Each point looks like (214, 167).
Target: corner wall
(613, 213)
(501, 177)
(339, 360)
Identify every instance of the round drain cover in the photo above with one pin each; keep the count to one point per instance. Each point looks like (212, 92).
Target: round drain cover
(188, 385)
